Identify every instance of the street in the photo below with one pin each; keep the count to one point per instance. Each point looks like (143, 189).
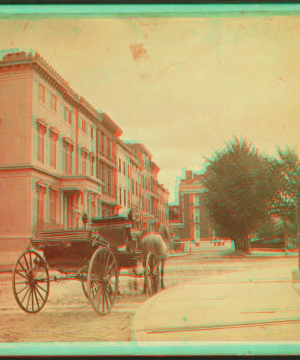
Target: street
(68, 316)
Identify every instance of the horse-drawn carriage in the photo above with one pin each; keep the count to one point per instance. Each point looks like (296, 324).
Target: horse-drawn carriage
(94, 256)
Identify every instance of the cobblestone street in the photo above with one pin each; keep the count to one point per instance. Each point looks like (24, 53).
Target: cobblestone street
(68, 316)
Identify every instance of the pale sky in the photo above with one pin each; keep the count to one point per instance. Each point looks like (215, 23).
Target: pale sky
(180, 85)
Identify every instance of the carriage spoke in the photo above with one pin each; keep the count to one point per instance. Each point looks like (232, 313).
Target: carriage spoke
(32, 301)
(30, 260)
(21, 275)
(25, 295)
(106, 264)
(40, 275)
(155, 267)
(39, 293)
(103, 267)
(26, 264)
(30, 291)
(110, 268)
(102, 298)
(107, 298)
(41, 288)
(19, 292)
(36, 298)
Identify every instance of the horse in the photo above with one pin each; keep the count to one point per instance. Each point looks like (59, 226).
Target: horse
(158, 243)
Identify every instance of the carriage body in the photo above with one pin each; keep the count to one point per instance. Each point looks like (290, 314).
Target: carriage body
(93, 256)
(67, 250)
(117, 231)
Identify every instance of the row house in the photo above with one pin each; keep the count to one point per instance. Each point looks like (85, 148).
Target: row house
(59, 156)
(152, 202)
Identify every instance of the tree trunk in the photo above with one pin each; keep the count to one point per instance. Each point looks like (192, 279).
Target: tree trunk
(242, 244)
(246, 243)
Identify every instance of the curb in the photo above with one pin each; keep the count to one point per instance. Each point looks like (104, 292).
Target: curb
(296, 280)
(140, 315)
(262, 253)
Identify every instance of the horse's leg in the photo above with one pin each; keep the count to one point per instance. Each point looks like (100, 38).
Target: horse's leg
(162, 274)
(119, 293)
(144, 286)
(135, 284)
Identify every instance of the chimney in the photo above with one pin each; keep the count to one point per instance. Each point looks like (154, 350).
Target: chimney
(188, 174)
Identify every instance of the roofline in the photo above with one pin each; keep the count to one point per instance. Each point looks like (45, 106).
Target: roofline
(22, 57)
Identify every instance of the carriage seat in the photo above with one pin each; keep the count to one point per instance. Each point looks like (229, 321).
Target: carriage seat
(116, 230)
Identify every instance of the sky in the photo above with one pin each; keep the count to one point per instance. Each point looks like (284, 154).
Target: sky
(181, 85)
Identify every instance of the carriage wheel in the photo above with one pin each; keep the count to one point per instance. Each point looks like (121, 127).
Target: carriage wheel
(83, 275)
(31, 282)
(103, 280)
(152, 274)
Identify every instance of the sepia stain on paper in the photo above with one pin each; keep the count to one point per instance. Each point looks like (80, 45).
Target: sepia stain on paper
(85, 187)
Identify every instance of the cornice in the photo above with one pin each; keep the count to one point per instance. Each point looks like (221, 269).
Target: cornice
(38, 64)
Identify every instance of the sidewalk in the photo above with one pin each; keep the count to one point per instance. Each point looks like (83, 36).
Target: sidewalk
(244, 306)
(8, 260)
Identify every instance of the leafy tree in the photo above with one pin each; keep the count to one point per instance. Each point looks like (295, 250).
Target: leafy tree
(284, 204)
(239, 183)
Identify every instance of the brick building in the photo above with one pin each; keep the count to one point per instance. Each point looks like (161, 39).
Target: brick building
(189, 218)
(60, 157)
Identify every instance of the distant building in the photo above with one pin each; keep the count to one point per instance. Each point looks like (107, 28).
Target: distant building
(152, 202)
(61, 158)
(190, 216)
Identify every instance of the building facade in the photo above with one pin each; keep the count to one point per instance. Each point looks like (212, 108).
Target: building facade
(189, 218)
(59, 157)
(152, 202)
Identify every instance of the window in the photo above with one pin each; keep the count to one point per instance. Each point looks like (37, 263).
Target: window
(99, 170)
(67, 116)
(120, 195)
(92, 161)
(92, 132)
(108, 148)
(114, 150)
(132, 186)
(53, 139)
(136, 188)
(83, 159)
(124, 171)
(53, 103)
(102, 142)
(109, 181)
(124, 197)
(41, 142)
(93, 205)
(83, 126)
(67, 157)
(42, 94)
(120, 165)
(116, 193)
(40, 203)
(104, 171)
(53, 205)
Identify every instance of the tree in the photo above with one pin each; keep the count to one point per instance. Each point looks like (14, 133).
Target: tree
(239, 184)
(285, 202)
